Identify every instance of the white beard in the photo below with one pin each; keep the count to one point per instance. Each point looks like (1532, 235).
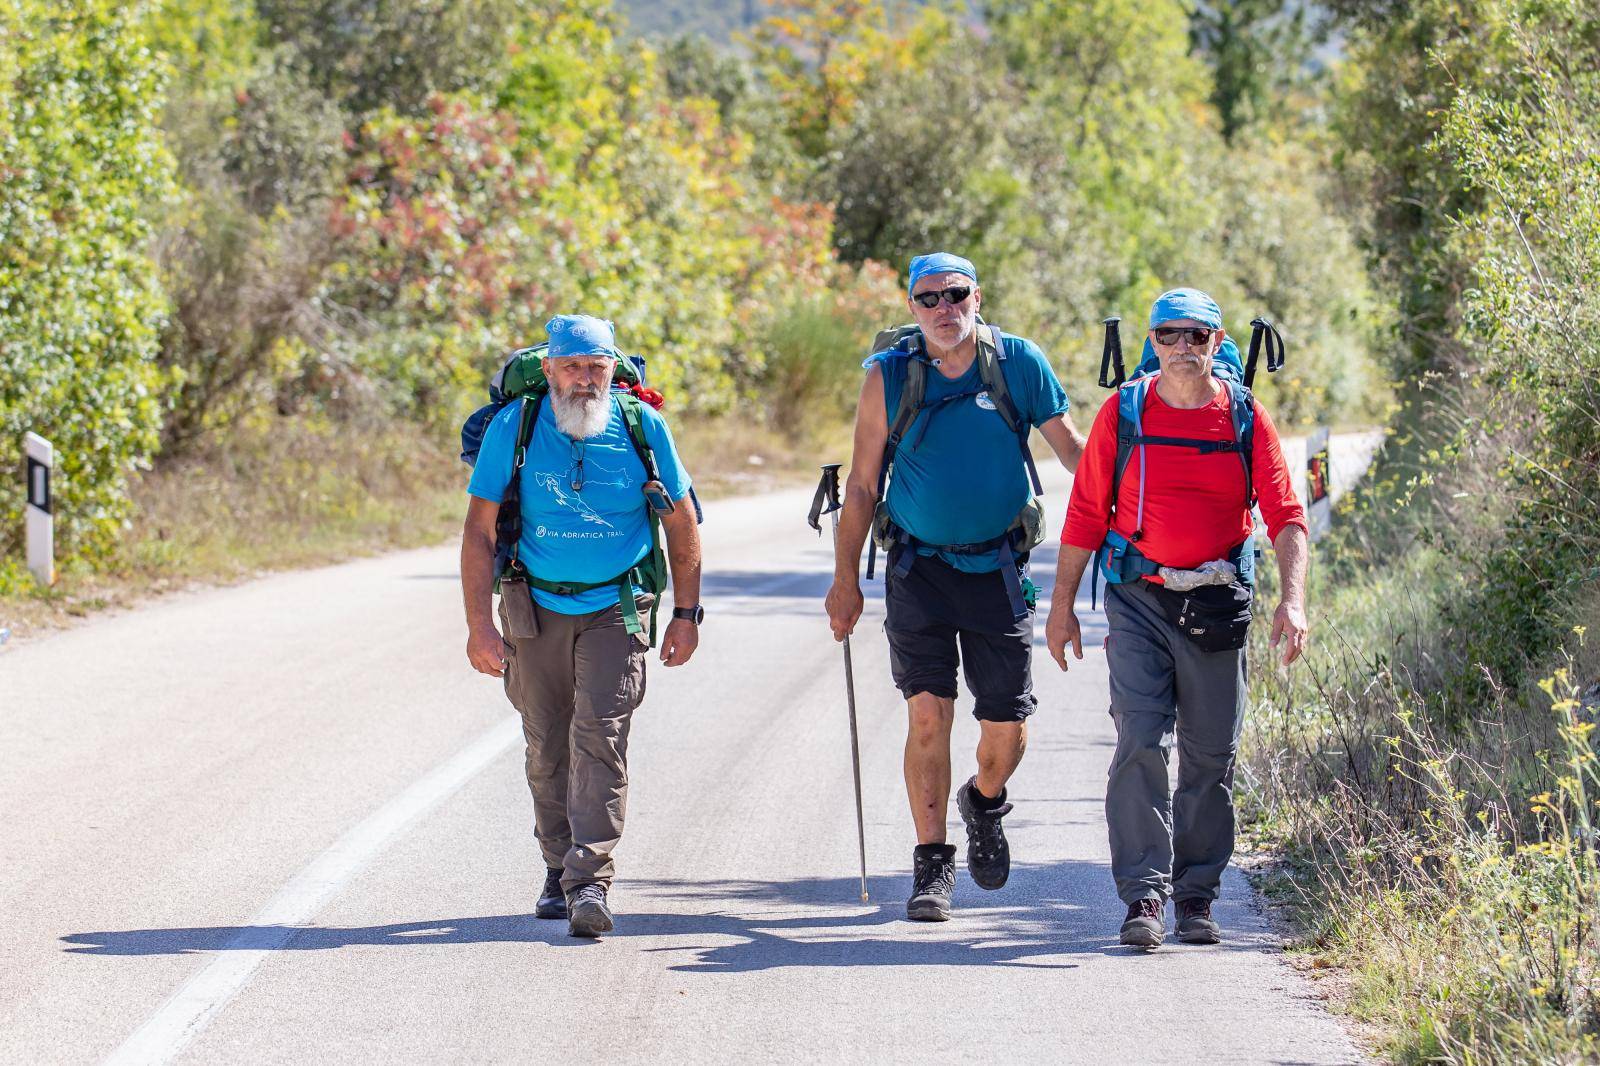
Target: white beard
(581, 417)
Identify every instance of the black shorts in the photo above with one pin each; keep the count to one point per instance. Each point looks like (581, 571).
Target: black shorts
(936, 607)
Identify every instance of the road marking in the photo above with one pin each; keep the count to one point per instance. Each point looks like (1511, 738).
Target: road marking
(192, 1007)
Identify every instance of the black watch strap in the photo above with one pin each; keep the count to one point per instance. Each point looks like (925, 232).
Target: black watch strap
(695, 614)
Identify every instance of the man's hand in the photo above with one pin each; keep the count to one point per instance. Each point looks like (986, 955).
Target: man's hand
(844, 607)
(1289, 626)
(679, 642)
(1060, 629)
(486, 651)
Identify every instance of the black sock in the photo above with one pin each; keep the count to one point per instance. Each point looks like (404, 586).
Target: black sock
(984, 803)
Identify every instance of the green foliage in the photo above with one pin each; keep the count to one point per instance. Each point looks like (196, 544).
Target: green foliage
(1419, 767)
(206, 42)
(244, 252)
(1258, 51)
(370, 54)
(80, 308)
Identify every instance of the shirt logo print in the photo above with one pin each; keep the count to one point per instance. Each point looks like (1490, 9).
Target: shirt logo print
(571, 501)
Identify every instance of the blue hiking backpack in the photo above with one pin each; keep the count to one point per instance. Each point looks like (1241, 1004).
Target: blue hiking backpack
(1119, 560)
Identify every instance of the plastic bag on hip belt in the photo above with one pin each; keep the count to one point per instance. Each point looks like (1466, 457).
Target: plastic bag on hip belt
(1216, 572)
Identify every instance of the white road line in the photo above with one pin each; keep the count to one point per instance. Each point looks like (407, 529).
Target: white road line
(198, 1001)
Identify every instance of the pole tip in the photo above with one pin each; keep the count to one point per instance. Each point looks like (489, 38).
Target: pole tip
(863, 897)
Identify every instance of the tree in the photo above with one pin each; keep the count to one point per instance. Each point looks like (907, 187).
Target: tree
(1258, 50)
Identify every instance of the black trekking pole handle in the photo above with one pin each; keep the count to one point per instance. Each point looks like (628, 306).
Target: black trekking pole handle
(1111, 355)
(1263, 332)
(826, 501)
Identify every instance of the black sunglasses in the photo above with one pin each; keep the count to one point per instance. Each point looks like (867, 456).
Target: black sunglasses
(575, 475)
(1195, 335)
(954, 296)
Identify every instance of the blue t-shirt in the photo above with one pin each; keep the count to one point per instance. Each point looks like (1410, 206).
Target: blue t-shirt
(579, 522)
(958, 473)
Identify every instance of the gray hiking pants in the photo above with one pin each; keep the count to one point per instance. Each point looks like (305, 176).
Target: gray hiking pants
(576, 684)
(1162, 686)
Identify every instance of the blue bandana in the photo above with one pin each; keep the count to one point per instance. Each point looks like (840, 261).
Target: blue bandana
(939, 263)
(580, 335)
(1185, 303)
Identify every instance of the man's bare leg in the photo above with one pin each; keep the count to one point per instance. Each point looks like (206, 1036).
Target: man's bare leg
(1000, 748)
(927, 763)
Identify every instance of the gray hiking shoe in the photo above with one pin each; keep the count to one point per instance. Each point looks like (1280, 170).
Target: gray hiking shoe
(1144, 927)
(1195, 924)
(933, 881)
(588, 915)
(552, 901)
(988, 854)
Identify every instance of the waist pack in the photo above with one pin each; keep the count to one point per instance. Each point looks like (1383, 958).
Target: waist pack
(1213, 617)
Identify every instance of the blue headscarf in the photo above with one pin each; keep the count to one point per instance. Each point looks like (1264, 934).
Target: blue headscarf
(939, 263)
(580, 335)
(1185, 303)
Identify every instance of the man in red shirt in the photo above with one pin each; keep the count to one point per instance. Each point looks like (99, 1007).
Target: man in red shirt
(1176, 660)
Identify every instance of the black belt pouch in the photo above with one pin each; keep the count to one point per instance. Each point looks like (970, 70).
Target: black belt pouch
(1213, 617)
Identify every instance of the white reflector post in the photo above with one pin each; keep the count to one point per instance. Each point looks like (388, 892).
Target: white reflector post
(1319, 485)
(41, 458)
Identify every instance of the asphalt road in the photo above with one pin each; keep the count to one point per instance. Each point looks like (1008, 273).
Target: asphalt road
(285, 822)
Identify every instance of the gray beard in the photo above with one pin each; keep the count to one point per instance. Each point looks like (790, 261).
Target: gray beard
(581, 417)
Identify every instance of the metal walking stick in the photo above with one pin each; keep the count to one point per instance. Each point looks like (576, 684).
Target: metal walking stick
(826, 501)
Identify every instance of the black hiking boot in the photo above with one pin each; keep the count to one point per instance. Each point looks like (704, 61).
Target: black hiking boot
(552, 901)
(1144, 927)
(988, 854)
(588, 914)
(1195, 924)
(933, 880)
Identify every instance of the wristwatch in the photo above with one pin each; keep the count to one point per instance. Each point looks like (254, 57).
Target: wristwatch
(695, 614)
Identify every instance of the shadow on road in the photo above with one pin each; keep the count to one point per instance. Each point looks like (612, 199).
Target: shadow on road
(753, 925)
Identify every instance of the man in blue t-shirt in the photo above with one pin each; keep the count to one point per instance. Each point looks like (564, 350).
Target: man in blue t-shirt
(573, 651)
(957, 521)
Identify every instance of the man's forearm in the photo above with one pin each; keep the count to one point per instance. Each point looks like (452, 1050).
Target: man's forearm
(1065, 440)
(1291, 550)
(477, 579)
(1071, 562)
(683, 555)
(854, 522)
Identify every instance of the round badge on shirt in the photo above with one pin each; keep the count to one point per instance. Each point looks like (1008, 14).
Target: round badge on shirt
(983, 401)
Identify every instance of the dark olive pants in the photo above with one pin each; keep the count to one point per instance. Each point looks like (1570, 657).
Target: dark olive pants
(576, 684)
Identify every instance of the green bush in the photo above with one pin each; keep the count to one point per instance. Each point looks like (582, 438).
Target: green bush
(80, 305)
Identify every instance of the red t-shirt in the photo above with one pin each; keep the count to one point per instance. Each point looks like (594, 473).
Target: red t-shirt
(1194, 504)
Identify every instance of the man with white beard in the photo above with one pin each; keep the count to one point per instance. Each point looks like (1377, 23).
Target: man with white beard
(572, 651)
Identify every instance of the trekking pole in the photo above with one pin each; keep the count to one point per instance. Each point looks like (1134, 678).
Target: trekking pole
(827, 502)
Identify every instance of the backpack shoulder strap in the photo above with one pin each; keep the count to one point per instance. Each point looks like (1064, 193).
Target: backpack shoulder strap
(654, 566)
(913, 390)
(993, 375)
(1130, 424)
(1242, 407)
(633, 421)
(508, 520)
(990, 355)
